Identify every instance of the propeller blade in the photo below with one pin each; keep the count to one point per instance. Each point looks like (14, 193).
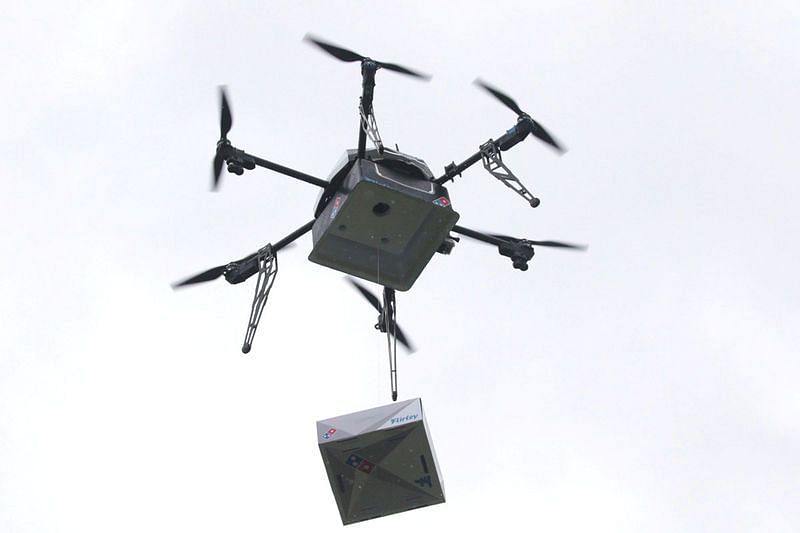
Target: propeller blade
(376, 303)
(208, 275)
(336, 51)
(349, 56)
(213, 273)
(559, 244)
(404, 70)
(538, 131)
(217, 170)
(551, 244)
(402, 339)
(225, 118)
(225, 123)
(371, 298)
(507, 100)
(504, 237)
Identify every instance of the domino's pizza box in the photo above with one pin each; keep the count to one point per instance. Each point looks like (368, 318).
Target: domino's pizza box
(380, 461)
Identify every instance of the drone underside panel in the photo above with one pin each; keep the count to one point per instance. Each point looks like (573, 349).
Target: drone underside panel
(382, 226)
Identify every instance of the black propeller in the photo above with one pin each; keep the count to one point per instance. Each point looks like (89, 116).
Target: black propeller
(225, 123)
(376, 303)
(350, 57)
(225, 118)
(209, 275)
(537, 130)
(234, 272)
(551, 244)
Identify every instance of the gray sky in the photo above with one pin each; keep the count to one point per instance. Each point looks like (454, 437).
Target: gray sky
(649, 384)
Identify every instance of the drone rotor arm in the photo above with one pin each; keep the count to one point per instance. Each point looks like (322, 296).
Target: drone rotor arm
(240, 270)
(293, 236)
(520, 252)
(479, 236)
(302, 176)
(498, 239)
(238, 160)
(547, 244)
(508, 140)
(243, 269)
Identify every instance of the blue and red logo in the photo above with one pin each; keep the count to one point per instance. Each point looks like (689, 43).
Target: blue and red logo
(328, 434)
(442, 201)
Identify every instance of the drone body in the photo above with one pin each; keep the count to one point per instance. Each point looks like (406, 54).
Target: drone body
(382, 215)
(384, 221)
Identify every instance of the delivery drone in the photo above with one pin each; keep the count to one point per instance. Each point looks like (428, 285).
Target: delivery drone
(382, 215)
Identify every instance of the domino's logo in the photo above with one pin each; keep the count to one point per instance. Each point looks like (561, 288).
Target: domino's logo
(328, 434)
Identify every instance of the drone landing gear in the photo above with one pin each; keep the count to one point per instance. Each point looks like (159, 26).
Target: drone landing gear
(267, 270)
(267, 262)
(490, 152)
(264, 262)
(493, 163)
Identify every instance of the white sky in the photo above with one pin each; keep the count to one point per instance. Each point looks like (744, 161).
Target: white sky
(649, 384)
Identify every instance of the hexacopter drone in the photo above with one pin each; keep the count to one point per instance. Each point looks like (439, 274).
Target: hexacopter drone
(383, 214)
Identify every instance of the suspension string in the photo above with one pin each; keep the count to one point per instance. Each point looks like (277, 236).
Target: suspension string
(378, 270)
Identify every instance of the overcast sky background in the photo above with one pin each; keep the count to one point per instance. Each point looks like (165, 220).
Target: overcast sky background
(649, 384)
